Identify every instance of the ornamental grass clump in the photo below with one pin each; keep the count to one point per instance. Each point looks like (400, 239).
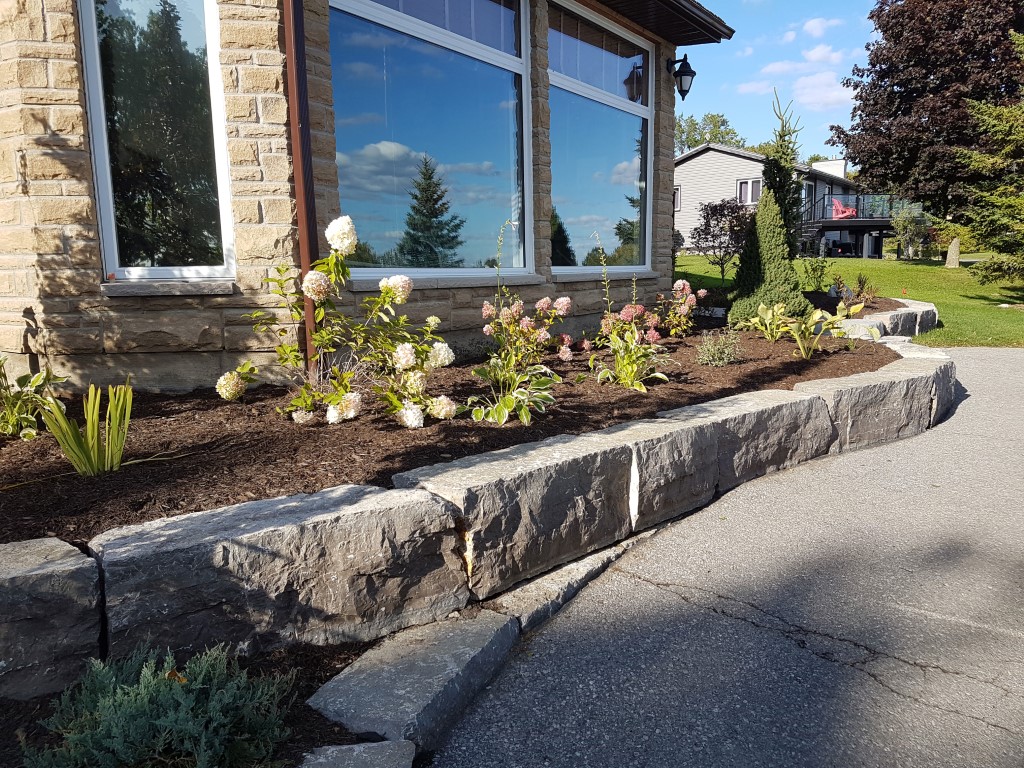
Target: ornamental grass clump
(145, 712)
(520, 385)
(92, 452)
(381, 351)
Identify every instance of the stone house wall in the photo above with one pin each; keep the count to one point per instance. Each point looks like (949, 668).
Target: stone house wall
(56, 307)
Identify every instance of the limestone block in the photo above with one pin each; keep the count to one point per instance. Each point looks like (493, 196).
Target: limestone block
(529, 508)
(163, 331)
(381, 754)
(859, 328)
(902, 322)
(942, 371)
(927, 314)
(675, 467)
(876, 407)
(350, 563)
(414, 685)
(49, 616)
(761, 432)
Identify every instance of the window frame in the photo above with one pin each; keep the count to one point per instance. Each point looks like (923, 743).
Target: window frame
(759, 180)
(100, 153)
(587, 91)
(677, 198)
(427, 32)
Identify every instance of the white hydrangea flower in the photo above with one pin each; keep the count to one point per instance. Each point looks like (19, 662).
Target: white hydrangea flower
(349, 407)
(442, 407)
(317, 286)
(405, 356)
(303, 417)
(231, 385)
(433, 321)
(401, 285)
(415, 381)
(440, 355)
(341, 234)
(411, 415)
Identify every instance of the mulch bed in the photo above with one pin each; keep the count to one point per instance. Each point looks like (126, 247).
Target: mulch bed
(313, 665)
(214, 453)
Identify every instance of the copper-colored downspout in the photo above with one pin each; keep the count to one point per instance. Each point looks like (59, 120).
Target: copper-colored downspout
(302, 156)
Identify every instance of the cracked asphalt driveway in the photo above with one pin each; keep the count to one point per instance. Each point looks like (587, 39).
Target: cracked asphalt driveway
(859, 610)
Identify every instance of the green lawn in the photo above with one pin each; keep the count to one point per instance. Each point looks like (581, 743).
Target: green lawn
(969, 313)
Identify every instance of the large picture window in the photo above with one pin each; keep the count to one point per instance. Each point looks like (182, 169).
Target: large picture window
(159, 140)
(429, 131)
(600, 142)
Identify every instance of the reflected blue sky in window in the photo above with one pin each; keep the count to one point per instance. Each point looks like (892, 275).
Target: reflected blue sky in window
(594, 166)
(396, 99)
(491, 22)
(193, 21)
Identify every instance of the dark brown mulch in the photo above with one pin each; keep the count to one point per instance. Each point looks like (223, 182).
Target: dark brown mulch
(214, 453)
(313, 665)
(821, 300)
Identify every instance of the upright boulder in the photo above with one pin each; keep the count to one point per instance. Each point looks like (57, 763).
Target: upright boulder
(953, 254)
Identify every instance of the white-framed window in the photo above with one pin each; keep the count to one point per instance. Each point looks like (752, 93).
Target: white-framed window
(156, 117)
(601, 100)
(432, 127)
(677, 198)
(748, 191)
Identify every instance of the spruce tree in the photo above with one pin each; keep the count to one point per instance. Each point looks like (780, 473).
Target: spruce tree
(780, 176)
(562, 253)
(431, 237)
(766, 274)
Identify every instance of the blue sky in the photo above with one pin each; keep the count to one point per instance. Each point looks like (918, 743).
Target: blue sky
(802, 48)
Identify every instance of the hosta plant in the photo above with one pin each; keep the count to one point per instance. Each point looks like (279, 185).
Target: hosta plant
(23, 401)
(807, 331)
(770, 322)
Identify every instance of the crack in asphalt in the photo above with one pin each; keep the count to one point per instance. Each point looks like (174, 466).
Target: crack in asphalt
(798, 635)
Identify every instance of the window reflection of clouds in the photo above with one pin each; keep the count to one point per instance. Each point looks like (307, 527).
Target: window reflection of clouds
(495, 23)
(589, 177)
(193, 20)
(417, 99)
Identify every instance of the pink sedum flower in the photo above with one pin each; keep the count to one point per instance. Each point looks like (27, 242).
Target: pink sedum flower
(652, 336)
(526, 323)
(681, 286)
(564, 354)
(517, 309)
(702, 293)
(566, 339)
(317, 286)
(587, 345)
(488, 311)
(652, 321)
(691, 300)
(544, 304)
(488, 330)
(563, 305)
(543, 336)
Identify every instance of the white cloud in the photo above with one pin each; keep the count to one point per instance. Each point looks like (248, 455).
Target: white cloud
(747, 51)
(821, 92)
(360, 70)
(789, 37)
(364, 118)
(787, 68)
(485, 168)
(626, 172)
(817, 27)
(588, 220)
(508, 104)
(823, 54)
(755, 86)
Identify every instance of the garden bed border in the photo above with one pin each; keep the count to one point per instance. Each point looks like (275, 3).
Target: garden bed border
(357, 562)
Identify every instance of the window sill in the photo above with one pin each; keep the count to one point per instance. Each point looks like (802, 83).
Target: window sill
(367, 285)
(168, 288)
(590, 276)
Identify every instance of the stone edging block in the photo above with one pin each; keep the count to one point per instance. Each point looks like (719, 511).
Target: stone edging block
(347, 564)
(532, 507)
(49, 616)
(381, 754)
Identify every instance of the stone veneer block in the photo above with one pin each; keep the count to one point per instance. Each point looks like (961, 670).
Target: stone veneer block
(675, 467)
(761, 432)
(414, 685)
(381, 754)
(876, 407)
(529, 508)
(49, 616)
(347, 564)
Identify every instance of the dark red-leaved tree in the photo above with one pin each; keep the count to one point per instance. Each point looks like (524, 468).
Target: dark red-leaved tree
(910, 114)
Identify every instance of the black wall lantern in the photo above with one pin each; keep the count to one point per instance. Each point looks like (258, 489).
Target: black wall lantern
(683, 75)
(634, 83)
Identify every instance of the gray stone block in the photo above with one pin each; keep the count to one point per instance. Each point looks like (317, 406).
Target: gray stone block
(49, 616)
(381, 754)
(927, 314)
(675, 467)
(942, 373)
(530, 508)
(902, 322)
(761, 432)
(872, 408)
(859, 328)
(415, 685)
(349, 563)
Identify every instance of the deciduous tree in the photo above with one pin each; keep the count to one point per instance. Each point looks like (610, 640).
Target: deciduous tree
(712, 128)
(910, 116)
(719, 236)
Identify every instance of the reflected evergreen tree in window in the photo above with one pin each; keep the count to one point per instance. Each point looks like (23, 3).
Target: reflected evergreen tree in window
(432, 237)
(628, 233)
(160, 134)
(562, 254)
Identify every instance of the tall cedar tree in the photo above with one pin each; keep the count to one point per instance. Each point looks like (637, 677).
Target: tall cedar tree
(780, 176)
(160, 133)
(562, 253)
(910, 114)
(996, 212)
(766, 274)
(431, 237)
(721, 233)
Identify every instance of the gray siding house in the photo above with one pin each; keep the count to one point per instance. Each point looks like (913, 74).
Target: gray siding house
(712, 172)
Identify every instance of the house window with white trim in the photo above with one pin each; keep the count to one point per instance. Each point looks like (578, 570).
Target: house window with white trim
(677, 198)
(429, 129)
(601, 115)
(160, 149)
(748, 191)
